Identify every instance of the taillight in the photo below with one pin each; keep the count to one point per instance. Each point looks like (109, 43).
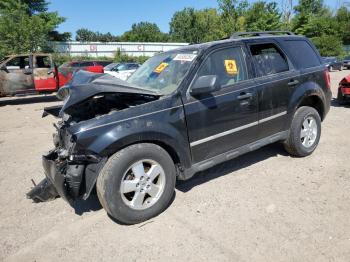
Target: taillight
(327, 78)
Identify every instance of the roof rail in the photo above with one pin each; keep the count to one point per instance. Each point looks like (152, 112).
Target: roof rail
(262, 33)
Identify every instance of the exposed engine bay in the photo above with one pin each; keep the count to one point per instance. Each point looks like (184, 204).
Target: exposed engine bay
(70, 169)
(103, 104)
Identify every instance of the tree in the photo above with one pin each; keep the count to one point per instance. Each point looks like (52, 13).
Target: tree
(309, 7)
(316, 21)
(328, 45)
(85, 35)
(232, 14)
(25, 26)
(144, 32)
(182, 26)
(343, 21)
(196, 26)
(262, 16)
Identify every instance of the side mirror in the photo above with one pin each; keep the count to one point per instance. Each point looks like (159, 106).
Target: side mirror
(204, 85)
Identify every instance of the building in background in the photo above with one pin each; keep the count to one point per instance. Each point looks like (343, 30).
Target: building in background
(108, 49)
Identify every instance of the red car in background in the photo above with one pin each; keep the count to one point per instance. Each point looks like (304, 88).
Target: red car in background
(67, 69)
(27, 74)
(344, 90)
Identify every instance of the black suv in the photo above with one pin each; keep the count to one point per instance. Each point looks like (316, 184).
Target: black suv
(181, 112)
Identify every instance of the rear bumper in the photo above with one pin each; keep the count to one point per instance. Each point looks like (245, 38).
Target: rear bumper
(345, 91)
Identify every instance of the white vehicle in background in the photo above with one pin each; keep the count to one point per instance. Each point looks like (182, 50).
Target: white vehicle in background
(123, 70)
(110, 66)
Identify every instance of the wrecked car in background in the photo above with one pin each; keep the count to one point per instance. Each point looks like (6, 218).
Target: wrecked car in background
(30, 73)
(37, 73)
(343, 96)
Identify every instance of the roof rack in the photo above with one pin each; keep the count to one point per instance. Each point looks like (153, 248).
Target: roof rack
(262, 33)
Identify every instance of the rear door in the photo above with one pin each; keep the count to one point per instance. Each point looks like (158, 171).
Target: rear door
(226, 119)
(45, 78)
(275, 78)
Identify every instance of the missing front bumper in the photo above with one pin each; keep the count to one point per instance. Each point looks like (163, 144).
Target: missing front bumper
(42, 192)
(54, 184)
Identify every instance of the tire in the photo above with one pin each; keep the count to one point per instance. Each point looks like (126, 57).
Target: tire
(297, 145)
(122, 169)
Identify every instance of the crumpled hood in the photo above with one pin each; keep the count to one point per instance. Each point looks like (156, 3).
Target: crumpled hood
(85, 85)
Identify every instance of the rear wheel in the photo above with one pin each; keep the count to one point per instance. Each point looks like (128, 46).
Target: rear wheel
(304, 133)
(137, 183)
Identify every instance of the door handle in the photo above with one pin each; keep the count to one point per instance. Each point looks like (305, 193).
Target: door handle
(243, 96)
(293, 82)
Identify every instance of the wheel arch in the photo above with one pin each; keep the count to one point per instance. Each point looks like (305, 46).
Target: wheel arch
(309, 95)
(313, 101)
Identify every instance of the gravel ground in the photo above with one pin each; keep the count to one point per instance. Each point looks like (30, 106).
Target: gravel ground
(264, 206)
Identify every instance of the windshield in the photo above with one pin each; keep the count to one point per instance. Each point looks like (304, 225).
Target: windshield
(163, 73)
(111, 66)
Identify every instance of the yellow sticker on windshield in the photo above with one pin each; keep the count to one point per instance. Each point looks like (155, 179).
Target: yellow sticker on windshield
(231, 67)
(160, 68)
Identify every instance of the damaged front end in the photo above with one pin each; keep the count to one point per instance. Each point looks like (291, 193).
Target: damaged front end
(68, 174)
(72, 168)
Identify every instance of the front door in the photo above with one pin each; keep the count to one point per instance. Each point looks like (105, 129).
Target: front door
(16, 76)
(45, 78)
(226, 119)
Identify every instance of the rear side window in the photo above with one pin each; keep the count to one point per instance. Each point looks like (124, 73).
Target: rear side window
(83, 64)
(75, 64)
(227, 64)
(43, 62)
(303, 55)
(268, 59)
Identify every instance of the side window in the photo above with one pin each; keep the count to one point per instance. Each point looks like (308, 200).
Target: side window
(19, 62)
(132, 66)
(43, 62)
(122, 67)
(75, 64)
(268, 59)
(303, 55)
(83, 64)
(227, 64)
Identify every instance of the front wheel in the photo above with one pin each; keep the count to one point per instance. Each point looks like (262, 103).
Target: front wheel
(304, 133)
(137, 183)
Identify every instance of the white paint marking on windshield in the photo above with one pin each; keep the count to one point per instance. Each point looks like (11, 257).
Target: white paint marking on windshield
(185, 57)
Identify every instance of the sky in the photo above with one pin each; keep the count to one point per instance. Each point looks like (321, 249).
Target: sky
(117, 16)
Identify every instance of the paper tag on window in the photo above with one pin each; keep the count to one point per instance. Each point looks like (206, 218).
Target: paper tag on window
(185, 57)
(231, 67)
(160, 68)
